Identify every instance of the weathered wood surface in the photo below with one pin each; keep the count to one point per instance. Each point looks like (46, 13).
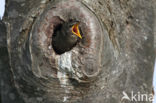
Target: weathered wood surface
(128, 54)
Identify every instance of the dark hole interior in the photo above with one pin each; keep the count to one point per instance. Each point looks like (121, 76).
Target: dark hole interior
(57, 28)
(54, 44)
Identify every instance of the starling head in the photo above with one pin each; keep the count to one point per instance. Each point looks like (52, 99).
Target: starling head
(72, 28)
(66, 36)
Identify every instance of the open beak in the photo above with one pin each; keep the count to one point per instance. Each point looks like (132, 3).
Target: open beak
(76, 31)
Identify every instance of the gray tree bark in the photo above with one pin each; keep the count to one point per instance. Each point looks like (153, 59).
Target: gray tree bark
(129, 27)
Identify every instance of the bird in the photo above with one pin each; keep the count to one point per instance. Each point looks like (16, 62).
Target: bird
(66, 36)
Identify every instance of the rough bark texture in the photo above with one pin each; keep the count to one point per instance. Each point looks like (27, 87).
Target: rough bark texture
(128, 52)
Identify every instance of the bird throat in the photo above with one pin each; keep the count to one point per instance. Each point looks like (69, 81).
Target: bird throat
(76, 31)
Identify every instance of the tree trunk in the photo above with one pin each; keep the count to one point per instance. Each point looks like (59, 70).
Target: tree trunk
(126, 30)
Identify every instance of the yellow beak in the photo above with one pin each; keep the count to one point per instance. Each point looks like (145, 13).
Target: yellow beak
(76, 31)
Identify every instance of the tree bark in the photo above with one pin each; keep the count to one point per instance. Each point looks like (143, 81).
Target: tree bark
(127, 55)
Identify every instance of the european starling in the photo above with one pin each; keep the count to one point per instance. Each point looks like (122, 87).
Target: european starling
(66, 36)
